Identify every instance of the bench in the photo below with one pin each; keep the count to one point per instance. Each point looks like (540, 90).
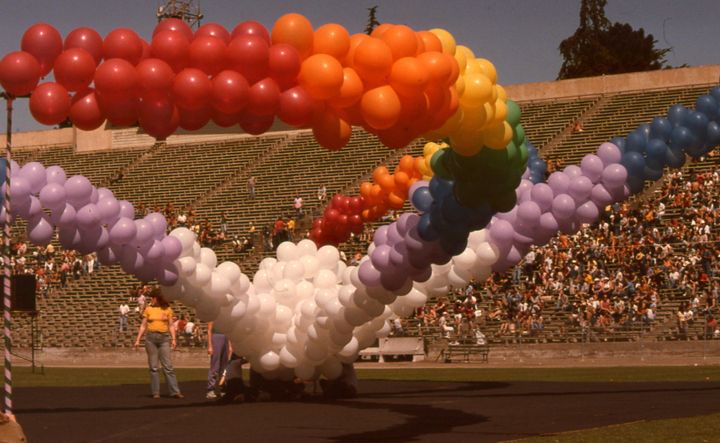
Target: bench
(397, 346)
(465, 351)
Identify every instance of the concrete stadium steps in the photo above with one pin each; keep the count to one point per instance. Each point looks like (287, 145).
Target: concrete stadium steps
(545, 120)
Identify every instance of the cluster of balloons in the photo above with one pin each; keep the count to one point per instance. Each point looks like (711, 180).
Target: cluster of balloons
(396, 83)
(424, 163)
(90, 219)
(666, 140)
(536, 167)
(341, 218)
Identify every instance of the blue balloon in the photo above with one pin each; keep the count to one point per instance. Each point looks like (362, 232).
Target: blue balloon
(644, 130)
(634, 162)
(697, 123)
(635, 141)
(436, 218)
(656, 150)
(619, 142)
(440, 188)
(707, 105)
(661, 128)
(675, 157)
(654, 170)
(452, 210)
(422, 200)
(715, 92)
(452, 245)
(696, 150)
(480, 217)
(681, 138)
(537, 164)
(426, 230)
(537, 177)
(635, 184)
(712, 137)
(676, 114)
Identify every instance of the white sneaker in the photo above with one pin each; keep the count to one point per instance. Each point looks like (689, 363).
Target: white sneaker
(211, 395)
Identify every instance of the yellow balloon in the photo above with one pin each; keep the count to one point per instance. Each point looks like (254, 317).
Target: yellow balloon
(478, 90)
(452, 124)
(446, 39)
(501, 94)
(497, 136)
(489, 69)
(430, 148)
(474, 119)
(462, 55)
(489, 113)
(467, 143)
(500, 111)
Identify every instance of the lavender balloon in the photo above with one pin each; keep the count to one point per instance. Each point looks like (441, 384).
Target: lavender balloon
(592, 167)
(69, 237)
(529, 213)
(609, 153)
(558, 182)
(167, 275)
(614, 177)
(143, 233)
(563, 207)
(173, 248)
(108, 209)
(34, 173)
(501, 234)
(95, 238)
(127, 210)
(123, 231)
(104, 193)
(600, 196)
(19, 189)
(52, 196)
(587, 213)
(28, 208)
(88, 217)
(39, 229)
(580, 188)
(108, 256)
(64, 217)
(368, 274)
(78, 190)
(381, 235)
(572, 171)
(542, 194)
(55, 174)
(158, 223)
(380, 257)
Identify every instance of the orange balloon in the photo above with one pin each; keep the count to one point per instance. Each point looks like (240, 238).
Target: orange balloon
(322, 76)
(355, 40)
(380, 107)
(373, 60)
(395, 201)
(414, 108)
(352, 114)
(379, 172)
(408, 76)
(401, 40)
(420, 44)
(387, 182)
(381, 29)
(398, 137)
(295, 30)
(332, 39)
(330, 131)
(418, 163)
(402, 179)
(365, 188)
(376, 192)
(439, 67)
(350, 91)
(430, 41)
(406, 164)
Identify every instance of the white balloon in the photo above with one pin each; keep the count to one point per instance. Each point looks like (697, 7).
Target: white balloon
(465, 260)
(416, 298)
(311, 264)
(476, 237)
(269, 361)
(328, 257)
(241, 286)
(261, 281)
(186, 265)
(306, 247)
(284, 292)
(287, 359)
(186, 237)
(275, 273)
(294, 270)
(304, 290)
(287, 251)
(487, 254)
(238, 311)
(230, 271)
(208, 257)
(305, 371)
(331, 368)
(345, 295)
(218, 286)
(202, 275)
(267, 305)
(267, 263)
(279, 340)
(384, 331)
(325, 279)
(283, 316)
(197, 251)
(459, 278)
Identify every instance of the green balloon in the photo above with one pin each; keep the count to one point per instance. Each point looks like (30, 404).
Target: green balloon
(503, 201)
(513, 113)
(519, 135)
(437, 163)
(512, 152)
(523, 154)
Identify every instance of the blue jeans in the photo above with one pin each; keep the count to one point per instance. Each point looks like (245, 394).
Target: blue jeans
(218, 360)
(157, 345)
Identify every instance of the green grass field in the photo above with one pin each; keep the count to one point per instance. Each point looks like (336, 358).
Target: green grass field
(700, 429)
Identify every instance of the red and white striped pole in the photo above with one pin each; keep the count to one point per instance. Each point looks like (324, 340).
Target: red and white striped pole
(7, 299)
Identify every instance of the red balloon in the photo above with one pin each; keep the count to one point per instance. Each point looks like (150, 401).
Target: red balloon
(264, 97)
(251, 27)
(296, 107)
(44, 43)
(284, 64)
(249, 55)
(50, 103)
(116, 76)
(74, 69)
(254, 124)
(172, 47)
(123, 43)
(192, 120)
(120, 109)
(224, 120)
(208, 54)
(213, 30)
(87, 39)
(174, 24)
(158, 116)
(154, 74)
(19, 73)
(147, 52)
(85, 111)
(229, 92)
(192, 89)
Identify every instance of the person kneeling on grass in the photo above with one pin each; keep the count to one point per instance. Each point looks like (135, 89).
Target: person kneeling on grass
(259, 388)
(344, 386)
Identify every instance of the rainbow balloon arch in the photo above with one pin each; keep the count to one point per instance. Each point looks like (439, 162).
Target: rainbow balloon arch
(481, 198)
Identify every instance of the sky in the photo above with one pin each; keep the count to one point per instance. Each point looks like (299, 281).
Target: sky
(520, 37)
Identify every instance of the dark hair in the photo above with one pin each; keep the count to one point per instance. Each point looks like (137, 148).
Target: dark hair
(157, 294)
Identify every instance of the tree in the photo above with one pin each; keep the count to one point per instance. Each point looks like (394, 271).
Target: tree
(372, 20)
(598, 47)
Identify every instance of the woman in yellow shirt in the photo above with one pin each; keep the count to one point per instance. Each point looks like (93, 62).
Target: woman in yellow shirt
(158, 322)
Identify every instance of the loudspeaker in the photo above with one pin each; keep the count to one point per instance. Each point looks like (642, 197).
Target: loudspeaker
(22, 292)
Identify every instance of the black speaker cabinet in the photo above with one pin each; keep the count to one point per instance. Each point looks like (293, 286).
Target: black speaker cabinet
(23, 292)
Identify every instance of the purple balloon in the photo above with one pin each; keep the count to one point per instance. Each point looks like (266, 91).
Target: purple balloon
(524, 187)
(69, 237)
(529, 213)
(392, 281)
(510, 216)
(39, 230)
(381, 234)
(167, 275)
(158, 223)
(568, 226)
(108, 255)
(52, 196)
(600, 196)
(123, 231)
(563, 207)
(542, 194)
(155, 252)
(413, 242)
(94, 196)
(548, 222)
(393, 234)
(127, 210)
(501, 234)
(587, 213)
(380, 257)
(95, 239)
(88, 217)
(368, 274)
(19, 189)
(592, 167)
(28, 208)
(399, 254)
(34, 173)
(109, 210)
(406, 221)
(572, 171)
(55, 174)
(145, 273)
(172, 247)
(614, 177)
(415, 186)
(526, 174)
(130, 259)
(521, 240)
(558, 182)
(65, 217)
(609, 154)
(420, 275)
(104, 193)
(143, 233)
(78, 190)
(580, 188)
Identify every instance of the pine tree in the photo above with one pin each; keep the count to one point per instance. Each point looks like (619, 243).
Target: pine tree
(372, 20)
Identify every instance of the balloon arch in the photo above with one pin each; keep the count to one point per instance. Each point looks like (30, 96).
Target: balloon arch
(480, 198)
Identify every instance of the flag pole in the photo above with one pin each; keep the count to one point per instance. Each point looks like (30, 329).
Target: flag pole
(7, 300)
